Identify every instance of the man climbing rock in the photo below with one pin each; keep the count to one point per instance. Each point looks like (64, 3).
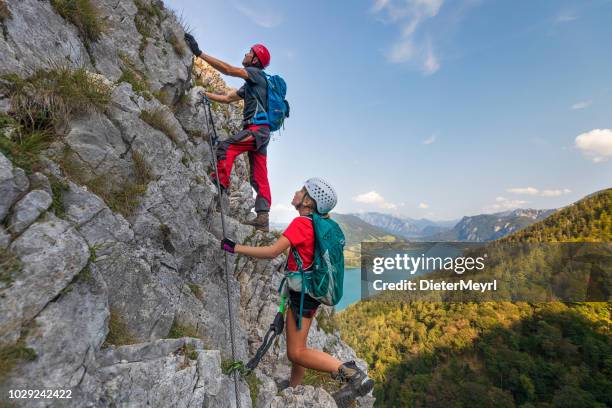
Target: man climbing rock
(254, 136)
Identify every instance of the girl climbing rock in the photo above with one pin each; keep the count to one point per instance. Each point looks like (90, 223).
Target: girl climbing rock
(315, 197)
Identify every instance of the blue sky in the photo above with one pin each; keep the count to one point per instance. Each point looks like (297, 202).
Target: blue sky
(430, 108)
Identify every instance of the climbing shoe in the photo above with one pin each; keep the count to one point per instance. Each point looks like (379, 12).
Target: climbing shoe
(261, 222)
(356, 384)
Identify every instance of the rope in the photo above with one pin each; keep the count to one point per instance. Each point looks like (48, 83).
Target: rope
(212, 139)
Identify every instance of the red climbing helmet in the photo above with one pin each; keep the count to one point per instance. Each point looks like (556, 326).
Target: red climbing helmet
(263, 55)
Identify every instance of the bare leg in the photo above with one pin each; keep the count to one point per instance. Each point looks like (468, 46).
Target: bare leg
(302, 357)
(297, 375)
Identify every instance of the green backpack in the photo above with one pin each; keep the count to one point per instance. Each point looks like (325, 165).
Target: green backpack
(324, 281)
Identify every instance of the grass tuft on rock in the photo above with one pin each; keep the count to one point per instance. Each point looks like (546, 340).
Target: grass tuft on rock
(85, 15)
(177, 45)
(11, 355)
(254, 383)
(49, 98)
(118, 332)
(158, 119)
(9, 266)
(149, 14)
(197, 291)
(123, 196)
(179, 330)
(133, 76)
(58, 188)
(163, 97)
(4, 11)
(23, 148)
(85, 276)
(229, 366)
(189, 351)
(41, 105)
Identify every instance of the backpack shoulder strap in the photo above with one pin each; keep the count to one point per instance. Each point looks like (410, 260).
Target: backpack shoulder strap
(254, 94)
(298, 259)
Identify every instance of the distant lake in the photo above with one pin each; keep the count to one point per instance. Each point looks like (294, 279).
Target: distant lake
(351, 290)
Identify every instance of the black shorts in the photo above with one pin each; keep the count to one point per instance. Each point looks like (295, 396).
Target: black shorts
(308, 309)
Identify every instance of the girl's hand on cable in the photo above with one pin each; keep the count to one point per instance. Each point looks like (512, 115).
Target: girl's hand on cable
(228, 245)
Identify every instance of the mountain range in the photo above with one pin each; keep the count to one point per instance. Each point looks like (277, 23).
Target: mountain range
(483, 227)
(488, 227)
(404, 226)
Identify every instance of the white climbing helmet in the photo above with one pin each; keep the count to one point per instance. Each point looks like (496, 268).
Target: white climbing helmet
(323, 193)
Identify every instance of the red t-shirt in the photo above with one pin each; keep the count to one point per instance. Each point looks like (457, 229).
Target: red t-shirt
(301, 235)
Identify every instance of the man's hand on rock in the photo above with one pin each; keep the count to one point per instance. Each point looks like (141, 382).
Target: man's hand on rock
(192, 44)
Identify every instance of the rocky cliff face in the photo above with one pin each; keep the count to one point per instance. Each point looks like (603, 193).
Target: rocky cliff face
(112, 284)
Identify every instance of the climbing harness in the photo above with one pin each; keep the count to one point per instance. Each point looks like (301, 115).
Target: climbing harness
(213, 140)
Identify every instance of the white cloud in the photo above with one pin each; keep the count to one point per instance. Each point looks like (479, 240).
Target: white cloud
(523, 190)
(260, 14)
(372, 197)
(566, 18)
(596, 144)
(431, 64)
(581, 105)
(504, 204)
(379, 5)
(423, 205)
(555, 193)
(535, 192)
(402, 51)
(410, 15)
(430, 139)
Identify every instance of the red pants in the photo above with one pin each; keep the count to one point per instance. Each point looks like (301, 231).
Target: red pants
(254, 140)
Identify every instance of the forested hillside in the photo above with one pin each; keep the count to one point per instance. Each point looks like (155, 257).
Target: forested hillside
(494, 354)
(588, 220)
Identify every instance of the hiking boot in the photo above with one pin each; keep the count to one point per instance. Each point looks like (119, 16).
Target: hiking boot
(261, 222)
(356, 384)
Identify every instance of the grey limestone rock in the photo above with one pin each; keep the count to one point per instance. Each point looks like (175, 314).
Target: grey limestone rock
(303, 397)
(28, 209)
(13, 183)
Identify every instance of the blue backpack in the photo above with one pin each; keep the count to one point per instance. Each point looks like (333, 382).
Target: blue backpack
(278, 107)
